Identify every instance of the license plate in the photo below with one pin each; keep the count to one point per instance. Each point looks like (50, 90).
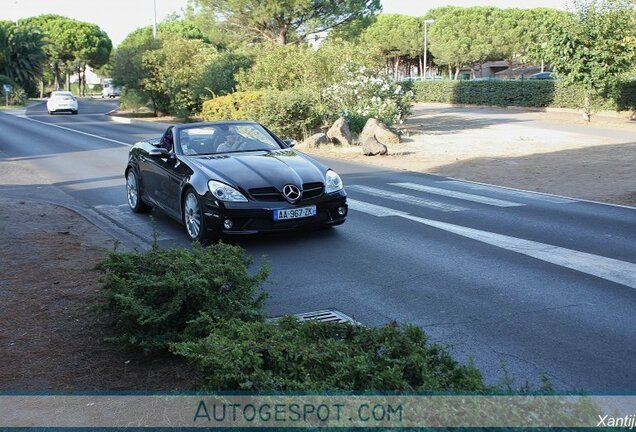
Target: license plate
(295, 213)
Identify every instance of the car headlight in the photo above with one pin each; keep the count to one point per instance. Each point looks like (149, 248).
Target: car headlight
(224, 192)
(334, 182)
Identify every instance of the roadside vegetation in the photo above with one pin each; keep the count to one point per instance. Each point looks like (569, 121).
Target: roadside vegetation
(317, 51)
(205, 305)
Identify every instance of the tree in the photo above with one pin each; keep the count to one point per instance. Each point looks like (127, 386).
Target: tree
(395, 37)
(285, 21)
(172, 72)
(462, 36)
(593, 47)
(70, 45)
(21, 54)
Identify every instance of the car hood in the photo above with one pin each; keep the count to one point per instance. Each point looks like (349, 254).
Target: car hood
(260, 169)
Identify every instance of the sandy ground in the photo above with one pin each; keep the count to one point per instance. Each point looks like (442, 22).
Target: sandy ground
(553, 152)
(52, 333)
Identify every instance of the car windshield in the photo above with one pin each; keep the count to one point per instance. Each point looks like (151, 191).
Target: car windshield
(225, 138)
(61, 95)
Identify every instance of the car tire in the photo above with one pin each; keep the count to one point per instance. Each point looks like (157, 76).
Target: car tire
(50, 112)
(133, 193)
(194, 220)
(75, 112)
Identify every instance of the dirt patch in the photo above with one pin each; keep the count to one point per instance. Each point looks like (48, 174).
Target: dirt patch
(52, 333)
(541, 151)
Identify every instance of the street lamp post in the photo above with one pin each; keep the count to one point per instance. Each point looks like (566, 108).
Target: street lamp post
(426, 23)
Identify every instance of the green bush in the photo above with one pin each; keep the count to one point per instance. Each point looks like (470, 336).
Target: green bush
(525, 93)
(133, 100)
(165, 296)
(291, 355)
(289, 114)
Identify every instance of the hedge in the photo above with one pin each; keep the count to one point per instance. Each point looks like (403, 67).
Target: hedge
(289, 113)
(524, 93)
(292, 355)
(163, 296)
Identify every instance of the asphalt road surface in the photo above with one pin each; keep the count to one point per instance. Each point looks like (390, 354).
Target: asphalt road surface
(526, 284)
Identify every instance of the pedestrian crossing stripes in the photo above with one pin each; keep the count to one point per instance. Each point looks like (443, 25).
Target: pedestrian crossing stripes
(404, 198)
(510, 192)
(458, 195)
(610, 269)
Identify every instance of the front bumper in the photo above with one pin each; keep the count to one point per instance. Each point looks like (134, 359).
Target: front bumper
(258, 216)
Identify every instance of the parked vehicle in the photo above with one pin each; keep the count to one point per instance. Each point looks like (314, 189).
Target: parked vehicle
(62, 101)
(111, 91)
(542, 76)
(232, 177)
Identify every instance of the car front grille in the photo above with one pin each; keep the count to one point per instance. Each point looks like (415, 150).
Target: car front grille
(310, 191)
(266, 194)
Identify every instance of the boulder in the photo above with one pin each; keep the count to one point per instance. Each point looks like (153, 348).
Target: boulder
(369, 130)
(378, 130)
(339, 132)
(371, 147)
(385, 136)
(316, 140)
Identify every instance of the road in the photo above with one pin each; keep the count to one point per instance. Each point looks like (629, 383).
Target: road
(525, 284)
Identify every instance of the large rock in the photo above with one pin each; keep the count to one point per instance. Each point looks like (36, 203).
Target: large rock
(371, 147)
(316, 140)
(384, 135)
(369, 130)
(339, 132)
(378, 130)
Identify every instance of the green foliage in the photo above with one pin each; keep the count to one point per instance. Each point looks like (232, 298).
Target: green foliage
(21, 53)
(594, 47)
(219, 76)
(289, 114)
(171, 71)
(133, 100)
(285, 21)
(71, 44)
(396, 35)
(300, 66)
(164, 296)
(292, 355)
(365, 93)
(527, 93)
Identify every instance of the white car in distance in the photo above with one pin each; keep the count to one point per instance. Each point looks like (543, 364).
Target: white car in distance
(62, 101)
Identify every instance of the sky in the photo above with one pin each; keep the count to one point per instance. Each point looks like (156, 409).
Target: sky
(120, 17)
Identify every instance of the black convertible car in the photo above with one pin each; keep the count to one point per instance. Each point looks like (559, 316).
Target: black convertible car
(232, 177)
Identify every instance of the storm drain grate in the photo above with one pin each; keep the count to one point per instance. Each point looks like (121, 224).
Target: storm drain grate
(325, 315)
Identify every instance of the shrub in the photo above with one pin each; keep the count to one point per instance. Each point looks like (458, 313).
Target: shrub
(365, 93)
(292, 355)
(526, 93)
(164, 296)
(288, 113)
(133, 100)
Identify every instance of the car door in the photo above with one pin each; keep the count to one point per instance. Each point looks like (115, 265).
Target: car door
(153, 170)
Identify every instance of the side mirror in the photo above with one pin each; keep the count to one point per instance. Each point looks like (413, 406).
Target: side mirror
(290, 142)
(160, 151)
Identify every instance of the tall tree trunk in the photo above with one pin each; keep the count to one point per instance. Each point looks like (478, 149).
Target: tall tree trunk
(421, 70)
(41, 88)
(56, 72)
(397, 68)
(456, 72)
(587, 107)
(509, 68)
(450, 72)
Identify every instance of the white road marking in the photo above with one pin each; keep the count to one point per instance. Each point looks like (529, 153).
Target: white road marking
(76, 131)
(459, 195)
(403, 198)
(511, 192)
(610, 269)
